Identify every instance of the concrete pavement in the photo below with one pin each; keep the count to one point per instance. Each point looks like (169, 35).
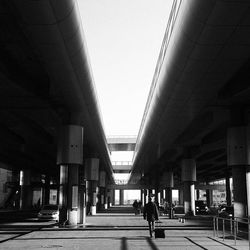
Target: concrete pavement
(113, 231)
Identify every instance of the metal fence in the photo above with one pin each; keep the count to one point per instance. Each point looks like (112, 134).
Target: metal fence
(235, 228)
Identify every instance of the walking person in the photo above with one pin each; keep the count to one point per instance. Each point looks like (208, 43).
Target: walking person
(139, 207)
(151, 214)
(135, 206)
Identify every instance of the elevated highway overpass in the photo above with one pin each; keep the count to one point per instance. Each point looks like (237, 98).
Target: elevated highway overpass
(196, 118)
(195, 124)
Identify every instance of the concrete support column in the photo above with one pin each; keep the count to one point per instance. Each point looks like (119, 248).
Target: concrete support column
(192, 195)
(26, 191)
(188, 175)
(150, 192)
(156, 195)
(168, 192)
(88, 194)
(197, 194)
(181, 197)
(46, 190)
(98, 198)
(121, 197)
(228, 191)
(112, 194)
(209, 197)
(109, 195)
(93, 197)
(63, 193)
(187, 196)
(144, 197)
(68, 193)
(92, 175)
(238, 159)
(164, 194)
(106, 200)
(113, 197)
(248, 189)
(69, 158)
(239, 191)
(82, 196)
(103, 200)
(82, 202)
(161, 196)
(73, 187)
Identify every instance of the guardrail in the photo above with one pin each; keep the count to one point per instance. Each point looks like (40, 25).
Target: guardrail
(238, 228)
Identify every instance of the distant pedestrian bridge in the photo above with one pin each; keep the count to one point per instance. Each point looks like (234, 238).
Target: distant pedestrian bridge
(121, 167)
(121, 142)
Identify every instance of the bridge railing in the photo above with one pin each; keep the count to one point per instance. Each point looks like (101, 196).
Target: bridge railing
(237, 228)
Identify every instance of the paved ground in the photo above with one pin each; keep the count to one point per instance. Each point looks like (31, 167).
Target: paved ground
(115, 232)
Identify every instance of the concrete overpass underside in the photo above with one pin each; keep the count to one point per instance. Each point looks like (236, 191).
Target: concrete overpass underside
(195, 126)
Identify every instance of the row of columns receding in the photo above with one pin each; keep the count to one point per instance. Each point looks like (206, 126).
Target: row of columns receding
(74, 178)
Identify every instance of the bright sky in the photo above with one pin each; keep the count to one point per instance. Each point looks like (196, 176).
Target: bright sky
(123, 39)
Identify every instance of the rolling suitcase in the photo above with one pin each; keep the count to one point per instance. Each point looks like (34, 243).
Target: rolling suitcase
(159, 232)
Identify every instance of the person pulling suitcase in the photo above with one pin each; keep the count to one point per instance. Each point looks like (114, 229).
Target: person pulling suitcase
(151, 214)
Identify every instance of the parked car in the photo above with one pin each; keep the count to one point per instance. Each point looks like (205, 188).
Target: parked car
(226, 212)
(178, 209)
(49, 212)
(201, 207)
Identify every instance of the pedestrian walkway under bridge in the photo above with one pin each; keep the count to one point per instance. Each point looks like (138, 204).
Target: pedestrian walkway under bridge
(118, 229)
